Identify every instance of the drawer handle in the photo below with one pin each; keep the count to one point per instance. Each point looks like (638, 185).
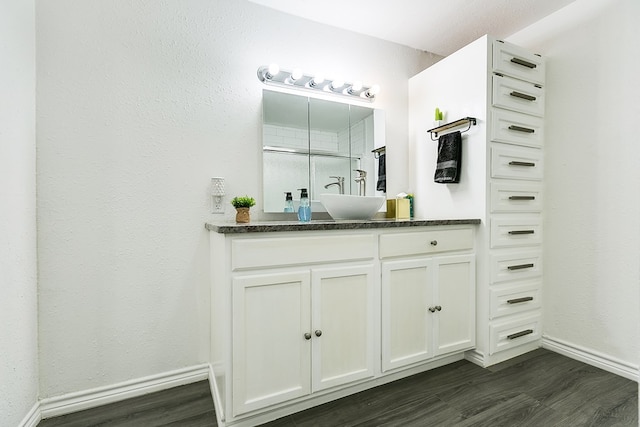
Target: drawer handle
(517, 163)
(520, 334)
(521, 129)
(523, 63)
(434, 243)
(522, 197)
(517, 232)
(519, 266)
(519, 300)
(523, 96)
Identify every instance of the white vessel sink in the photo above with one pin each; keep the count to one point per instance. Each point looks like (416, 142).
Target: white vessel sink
(345, 206)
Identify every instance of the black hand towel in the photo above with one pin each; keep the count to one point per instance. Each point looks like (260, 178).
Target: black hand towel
(382, 174)
(449, 158)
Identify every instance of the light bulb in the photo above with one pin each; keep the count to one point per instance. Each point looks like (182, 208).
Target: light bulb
(337, 84)
(355, 87)
(372, 91)
(296, 74)
(318, 79)
(272, 71)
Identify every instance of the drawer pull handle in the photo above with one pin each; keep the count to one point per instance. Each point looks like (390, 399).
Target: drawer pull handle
(521, 129)
(523, 96)
(522, 197)
(519, 300)
(516, 163)
(517, 232)
(520, 334)
(519, 266)
(523, 63)
(434, 243)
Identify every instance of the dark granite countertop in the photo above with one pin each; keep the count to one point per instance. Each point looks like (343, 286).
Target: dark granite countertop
(271, 226)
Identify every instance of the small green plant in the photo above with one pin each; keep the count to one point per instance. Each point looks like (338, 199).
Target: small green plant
(243, 202)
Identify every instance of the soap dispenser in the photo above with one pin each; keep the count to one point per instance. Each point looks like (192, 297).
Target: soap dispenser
(304, 210)
(288, 202)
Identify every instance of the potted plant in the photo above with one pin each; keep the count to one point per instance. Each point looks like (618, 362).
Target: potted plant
(242, 205)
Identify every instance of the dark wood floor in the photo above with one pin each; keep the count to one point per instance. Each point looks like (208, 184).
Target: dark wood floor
(541, 388)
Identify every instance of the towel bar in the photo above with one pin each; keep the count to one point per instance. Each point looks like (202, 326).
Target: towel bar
(377, 151)
(468, 121)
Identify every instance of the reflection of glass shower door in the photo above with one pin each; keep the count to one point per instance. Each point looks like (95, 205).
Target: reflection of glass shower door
(283, 172)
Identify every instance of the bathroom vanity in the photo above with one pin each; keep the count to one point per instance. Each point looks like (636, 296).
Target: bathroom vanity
(306, 313)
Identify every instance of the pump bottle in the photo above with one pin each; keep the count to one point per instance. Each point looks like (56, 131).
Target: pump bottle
(304, 210)
(288, 202)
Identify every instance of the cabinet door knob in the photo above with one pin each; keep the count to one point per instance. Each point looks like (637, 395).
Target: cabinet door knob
(307, 336)
(432, 309)
(439, 308)
(318, 332)
(434, 243)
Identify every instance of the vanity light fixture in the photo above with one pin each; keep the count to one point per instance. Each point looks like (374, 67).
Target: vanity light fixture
(296, 79)
(217, 194)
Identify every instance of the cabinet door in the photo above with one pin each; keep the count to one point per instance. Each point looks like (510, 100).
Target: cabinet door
(455, 303)
(271, 355)
(343, 325)
(407, 324)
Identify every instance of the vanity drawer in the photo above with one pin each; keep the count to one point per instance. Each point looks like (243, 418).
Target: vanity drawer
(515, 298)
(285, 251)
(516, 197)
(516, 162)
(515, 265)
(517, 95)
(514, 332)
(516, 231)
(426, 242)
(511, 127)
(517, 62)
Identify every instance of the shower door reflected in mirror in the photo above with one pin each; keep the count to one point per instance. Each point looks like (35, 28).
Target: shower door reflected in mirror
(307, 141)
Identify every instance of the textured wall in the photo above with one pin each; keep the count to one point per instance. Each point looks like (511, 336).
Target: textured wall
(18, 270)
(139, 104)
(592, 208)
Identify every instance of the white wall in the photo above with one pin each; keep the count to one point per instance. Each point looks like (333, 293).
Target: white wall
(139, 104)
(18, 269)
(592, 175)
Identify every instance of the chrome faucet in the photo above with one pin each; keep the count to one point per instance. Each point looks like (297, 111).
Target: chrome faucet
(361, 179)
(339, 182)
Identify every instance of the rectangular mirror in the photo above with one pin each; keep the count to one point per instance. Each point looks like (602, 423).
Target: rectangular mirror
(313, 143)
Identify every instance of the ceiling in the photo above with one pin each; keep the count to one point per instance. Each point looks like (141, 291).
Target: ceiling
(437, 26)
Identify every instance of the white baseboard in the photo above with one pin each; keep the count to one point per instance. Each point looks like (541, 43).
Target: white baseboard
(78, 401)
(33, 417)
(591, 357)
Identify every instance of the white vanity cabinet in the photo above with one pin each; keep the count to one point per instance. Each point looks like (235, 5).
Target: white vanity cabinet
(428, 301)
(300, 318)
